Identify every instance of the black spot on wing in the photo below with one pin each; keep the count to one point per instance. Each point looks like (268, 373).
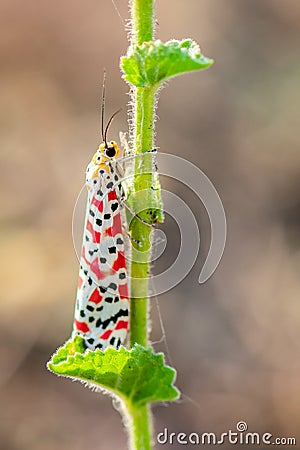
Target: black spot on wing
(90, 308)
(113, 286)
(113, 319)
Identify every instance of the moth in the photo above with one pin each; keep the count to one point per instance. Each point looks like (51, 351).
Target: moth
(102, 301)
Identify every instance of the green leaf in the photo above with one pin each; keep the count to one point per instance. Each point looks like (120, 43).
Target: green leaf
(154, 62)
(138, 376)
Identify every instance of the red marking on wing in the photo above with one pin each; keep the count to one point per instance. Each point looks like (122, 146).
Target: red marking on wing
(95, 269)
(98, 204)
(112, 195)
(81, 326)
(80, 281)
(96, 297)
(123, 290)
(94, 266)
(120, 262)
(96, 234)
(117, 225)
(109, 231)
(121, 325)
(106, 334)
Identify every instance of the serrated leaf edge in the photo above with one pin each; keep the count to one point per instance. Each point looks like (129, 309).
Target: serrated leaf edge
(113, 391)
(188, 46)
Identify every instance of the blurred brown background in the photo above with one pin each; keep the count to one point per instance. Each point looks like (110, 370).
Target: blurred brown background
(235, 340)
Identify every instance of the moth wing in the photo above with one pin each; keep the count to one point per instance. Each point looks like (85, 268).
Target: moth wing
(108, 263)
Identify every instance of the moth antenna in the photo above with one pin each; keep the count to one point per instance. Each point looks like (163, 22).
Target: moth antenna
(108, 125)
(102, 106)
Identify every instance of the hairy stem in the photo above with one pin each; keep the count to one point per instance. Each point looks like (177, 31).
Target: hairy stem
(142, 12)
(143, 196)
(140, 428)
(143, 138)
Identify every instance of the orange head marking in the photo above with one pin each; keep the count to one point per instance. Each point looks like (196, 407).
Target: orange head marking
(106, 152)
(109, 149)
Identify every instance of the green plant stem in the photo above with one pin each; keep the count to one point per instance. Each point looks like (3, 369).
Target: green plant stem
(142, 12)
(144, 117)
(144, 101)
(140, 427)
(143, 137)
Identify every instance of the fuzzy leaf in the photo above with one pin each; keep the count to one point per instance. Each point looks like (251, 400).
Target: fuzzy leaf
(153, 62)
(138, 376)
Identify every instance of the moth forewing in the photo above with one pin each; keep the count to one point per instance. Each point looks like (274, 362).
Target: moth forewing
(102, 304)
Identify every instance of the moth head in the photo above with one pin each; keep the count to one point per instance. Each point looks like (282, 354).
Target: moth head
(109, 149)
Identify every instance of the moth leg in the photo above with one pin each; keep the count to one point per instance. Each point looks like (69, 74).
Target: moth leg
(134, 214)
(139, 243)
(130, 157)
(122, 201)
